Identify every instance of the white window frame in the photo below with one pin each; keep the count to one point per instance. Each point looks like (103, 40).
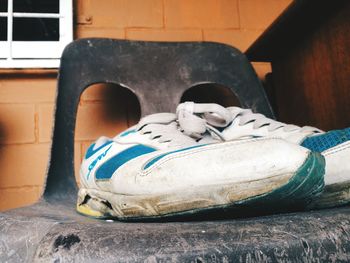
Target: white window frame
(36, 54)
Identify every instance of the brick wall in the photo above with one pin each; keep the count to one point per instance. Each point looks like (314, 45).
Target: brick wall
(26, 99)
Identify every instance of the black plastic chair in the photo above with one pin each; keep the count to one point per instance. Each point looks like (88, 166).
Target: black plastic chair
(158, 73)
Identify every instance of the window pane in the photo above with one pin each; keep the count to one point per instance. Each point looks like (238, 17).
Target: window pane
(36, 6)
(3, 5)
(35, 29)
(3, 28)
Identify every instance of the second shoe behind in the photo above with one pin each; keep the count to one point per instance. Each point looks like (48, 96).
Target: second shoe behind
(234, 123)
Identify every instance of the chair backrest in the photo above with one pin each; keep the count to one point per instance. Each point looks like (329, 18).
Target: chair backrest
(157, 72)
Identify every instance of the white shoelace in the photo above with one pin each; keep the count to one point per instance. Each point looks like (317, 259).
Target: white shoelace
(260, 120)
(164, 128)
(197, 118)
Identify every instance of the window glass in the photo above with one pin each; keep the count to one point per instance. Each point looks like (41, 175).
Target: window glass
(3, 28)
(35, 29)
(39, 34)
(3, 5)
(36, 6)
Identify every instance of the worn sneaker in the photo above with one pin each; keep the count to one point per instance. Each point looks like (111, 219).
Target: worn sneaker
(234, 123)
(154, 170)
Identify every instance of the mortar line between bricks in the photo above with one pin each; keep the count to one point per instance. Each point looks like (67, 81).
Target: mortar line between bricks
(20, 187)
(25, 103)
(222, 28)
(83, 27)
(81, 151)
(163, 10)
(143, 27)
(36, 124)
(24, 143)
(239, 14)
(178, 28)
(125, 33)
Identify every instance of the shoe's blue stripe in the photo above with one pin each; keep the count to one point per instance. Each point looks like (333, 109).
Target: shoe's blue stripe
(91, 151)
(322, 142)
(127, 133)
(156, 159)
(96, 160)
(106, 170)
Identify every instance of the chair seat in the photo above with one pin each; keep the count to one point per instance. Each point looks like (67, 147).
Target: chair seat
(48, 232)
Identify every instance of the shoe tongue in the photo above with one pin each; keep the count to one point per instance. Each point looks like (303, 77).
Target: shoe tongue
(157, 118)
(234, 109)
(216, 132)
(218, 119)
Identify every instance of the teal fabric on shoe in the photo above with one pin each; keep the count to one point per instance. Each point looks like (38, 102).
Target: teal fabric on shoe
(322, 142)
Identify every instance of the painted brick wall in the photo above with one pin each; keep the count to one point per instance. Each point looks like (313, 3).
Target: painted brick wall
(26, 100)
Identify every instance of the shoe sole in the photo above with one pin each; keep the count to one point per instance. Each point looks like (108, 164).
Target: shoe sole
(277, 192)
(333, 195)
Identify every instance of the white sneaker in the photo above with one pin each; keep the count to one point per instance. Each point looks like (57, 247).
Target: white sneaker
(154, 170)
(234, 123)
